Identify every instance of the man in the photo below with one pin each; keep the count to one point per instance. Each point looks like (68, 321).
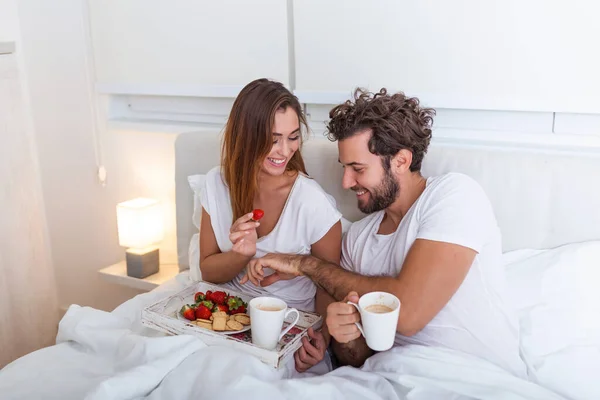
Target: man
(433, 242)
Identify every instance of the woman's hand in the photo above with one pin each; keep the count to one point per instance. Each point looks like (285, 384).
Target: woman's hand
(243, 235)
(286, 267)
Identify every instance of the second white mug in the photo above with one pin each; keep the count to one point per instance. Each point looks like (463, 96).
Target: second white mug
(266, 320)
(379, 313)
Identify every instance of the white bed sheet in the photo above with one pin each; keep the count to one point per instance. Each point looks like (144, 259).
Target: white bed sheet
(103, 355)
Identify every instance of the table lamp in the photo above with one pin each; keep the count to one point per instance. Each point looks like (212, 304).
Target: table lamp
(141, 228)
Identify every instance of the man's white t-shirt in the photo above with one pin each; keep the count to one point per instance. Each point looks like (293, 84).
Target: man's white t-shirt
(453, 208)
(307, 216)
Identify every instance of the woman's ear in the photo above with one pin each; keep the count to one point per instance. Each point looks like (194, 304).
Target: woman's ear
(402, 161)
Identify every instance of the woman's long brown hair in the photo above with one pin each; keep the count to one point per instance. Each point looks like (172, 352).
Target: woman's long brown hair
(248, 139)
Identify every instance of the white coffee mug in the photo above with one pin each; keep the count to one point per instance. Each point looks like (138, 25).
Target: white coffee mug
(266, 320)
(379, 319)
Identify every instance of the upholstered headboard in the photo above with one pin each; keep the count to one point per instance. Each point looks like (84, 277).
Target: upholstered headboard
(542, 199)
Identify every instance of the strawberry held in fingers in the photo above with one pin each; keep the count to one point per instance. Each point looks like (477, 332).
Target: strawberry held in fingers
(188, 313)
(257, 214)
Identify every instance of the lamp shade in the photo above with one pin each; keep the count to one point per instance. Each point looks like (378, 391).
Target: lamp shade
(140, 223)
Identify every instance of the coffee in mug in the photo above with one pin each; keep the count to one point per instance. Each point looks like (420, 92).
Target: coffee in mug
(379, 313)
(267, 308)
(378, 309)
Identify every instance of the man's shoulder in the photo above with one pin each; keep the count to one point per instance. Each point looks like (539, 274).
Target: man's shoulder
(454, 179)
(458, 195)
(452, 183)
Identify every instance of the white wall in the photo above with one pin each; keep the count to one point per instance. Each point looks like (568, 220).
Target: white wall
(28, 310)
(80, 211)
(9, 20)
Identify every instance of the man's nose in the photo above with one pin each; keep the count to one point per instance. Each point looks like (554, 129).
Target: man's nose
(348, 180)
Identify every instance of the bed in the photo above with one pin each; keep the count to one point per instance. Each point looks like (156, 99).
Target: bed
(546, 205)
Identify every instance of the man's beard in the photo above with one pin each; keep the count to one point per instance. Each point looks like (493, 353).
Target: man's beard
(382, 196)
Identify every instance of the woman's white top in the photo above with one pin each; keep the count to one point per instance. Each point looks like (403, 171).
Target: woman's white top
(309, 213)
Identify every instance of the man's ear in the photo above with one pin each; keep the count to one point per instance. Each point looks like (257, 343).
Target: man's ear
(402, 161)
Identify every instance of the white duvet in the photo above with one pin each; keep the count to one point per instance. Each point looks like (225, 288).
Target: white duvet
(102, 355)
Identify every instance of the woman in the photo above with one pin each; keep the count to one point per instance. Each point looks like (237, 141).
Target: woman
(262, 168)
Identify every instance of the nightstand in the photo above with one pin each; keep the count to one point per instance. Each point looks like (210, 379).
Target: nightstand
(117, 273)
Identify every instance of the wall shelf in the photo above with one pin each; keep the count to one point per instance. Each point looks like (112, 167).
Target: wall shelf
(7, 47)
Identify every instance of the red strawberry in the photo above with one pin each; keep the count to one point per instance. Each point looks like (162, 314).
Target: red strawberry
(218, 297)
(207, 304)
(198, 297)
(221, 307)
(239, 310)
(236, 305)
(188, 313)
(208, 295)
(257, 214)
(203, 312)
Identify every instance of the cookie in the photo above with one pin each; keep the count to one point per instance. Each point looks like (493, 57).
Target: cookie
(232, 317)
(219, 323)
(234, 325)
(204, 325)
(217, 313)
(243, 319)
(206, 321)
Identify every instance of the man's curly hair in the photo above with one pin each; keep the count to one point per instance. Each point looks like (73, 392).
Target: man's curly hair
(397, 121)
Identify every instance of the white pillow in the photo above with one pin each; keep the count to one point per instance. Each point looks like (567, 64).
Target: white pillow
(556, 293)
(196, 183)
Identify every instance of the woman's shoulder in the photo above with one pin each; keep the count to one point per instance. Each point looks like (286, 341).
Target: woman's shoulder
(312, 193)
(215, 178)
(310, 186)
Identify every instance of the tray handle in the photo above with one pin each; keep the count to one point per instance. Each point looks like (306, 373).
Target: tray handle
(173, 300)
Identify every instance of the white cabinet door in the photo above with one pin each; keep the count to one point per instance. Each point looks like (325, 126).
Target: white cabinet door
(188, 47)
(534, 55)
